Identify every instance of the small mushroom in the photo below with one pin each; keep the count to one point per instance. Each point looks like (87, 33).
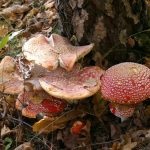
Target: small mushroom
(125, 84)
(54, 51)
(31, 104)
(10, 80)
(73, 85)
(77, 127)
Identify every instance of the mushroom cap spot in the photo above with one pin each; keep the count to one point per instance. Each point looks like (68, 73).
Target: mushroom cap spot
(10, 81)
(38, 50)
(126, 83)
(121, 111)
(31, 104)
(73, 85)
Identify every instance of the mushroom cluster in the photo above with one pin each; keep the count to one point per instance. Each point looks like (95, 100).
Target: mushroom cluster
(48, 76)
(125, 85)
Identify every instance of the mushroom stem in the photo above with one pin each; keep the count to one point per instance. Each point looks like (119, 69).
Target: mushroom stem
(122, 111)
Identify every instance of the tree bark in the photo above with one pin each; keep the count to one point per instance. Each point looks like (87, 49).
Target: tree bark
(108, 24)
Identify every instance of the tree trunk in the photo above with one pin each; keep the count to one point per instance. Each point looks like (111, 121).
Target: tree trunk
(108, 24)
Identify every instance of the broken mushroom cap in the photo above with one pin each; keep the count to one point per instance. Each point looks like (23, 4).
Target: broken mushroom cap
(73, 85)
(10, 80)
(54, 51)
(68, 54)
(126, 83)
(31, 104)
(38, 50)
(122, 111)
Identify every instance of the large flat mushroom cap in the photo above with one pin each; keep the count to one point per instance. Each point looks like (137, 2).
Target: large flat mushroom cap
(73, 85)
(38, 50)
(10, 80)
(126, 83)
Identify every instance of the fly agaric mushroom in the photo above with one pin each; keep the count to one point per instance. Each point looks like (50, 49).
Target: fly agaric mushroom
(38, 50)
(68, 54)
(54, 51)
(10, 80)
(73, 85)
(31, 104)
(125, 85)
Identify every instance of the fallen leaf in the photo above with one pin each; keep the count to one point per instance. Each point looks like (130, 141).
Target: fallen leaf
(17, 9)
(5, 130)
(51, 124)
(4, 28)
(25, 146)
(129, 145)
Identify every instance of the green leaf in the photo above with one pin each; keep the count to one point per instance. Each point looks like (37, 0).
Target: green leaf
(4, 41)
(8, 143)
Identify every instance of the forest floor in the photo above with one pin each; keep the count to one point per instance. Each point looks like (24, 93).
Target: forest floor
(102, 130)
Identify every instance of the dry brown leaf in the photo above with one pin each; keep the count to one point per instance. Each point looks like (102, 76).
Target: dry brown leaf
(49, 4)
(3, 29)
(14, 9)
(25, 146)
(17, 133)
(51, 124)
(5, 130)
(10, 100)
(129, 145)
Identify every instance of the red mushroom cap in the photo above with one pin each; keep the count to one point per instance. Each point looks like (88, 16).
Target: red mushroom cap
(126, 83)
(77, 127)
(31, 104)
